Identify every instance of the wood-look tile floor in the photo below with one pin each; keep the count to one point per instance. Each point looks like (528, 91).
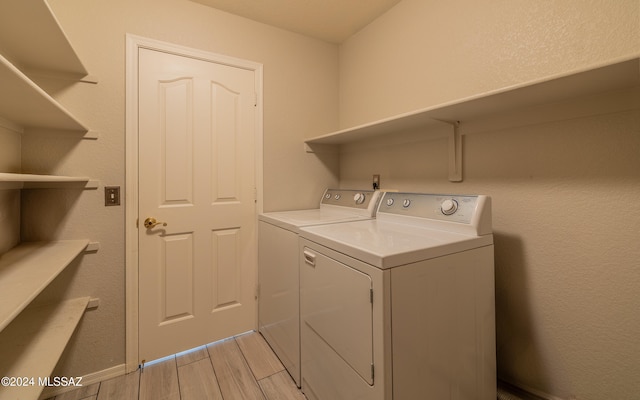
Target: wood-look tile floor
(240, 368)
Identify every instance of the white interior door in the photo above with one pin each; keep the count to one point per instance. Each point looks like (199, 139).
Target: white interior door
(196, 166)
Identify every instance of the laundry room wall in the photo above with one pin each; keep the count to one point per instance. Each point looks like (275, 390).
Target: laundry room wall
(565, 217)
(294, 105)
(9, 199)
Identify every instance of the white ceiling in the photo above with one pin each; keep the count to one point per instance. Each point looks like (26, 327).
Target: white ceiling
(329, 20)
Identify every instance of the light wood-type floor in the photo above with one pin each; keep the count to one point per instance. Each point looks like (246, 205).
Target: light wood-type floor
(240, 368)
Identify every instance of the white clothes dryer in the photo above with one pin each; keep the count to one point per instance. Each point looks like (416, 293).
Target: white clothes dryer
(400, 307)
(278, 271)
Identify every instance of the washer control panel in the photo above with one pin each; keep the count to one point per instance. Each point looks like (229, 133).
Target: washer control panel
(454, 208)
(349, 198)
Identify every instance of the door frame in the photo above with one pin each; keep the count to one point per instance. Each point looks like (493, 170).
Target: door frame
(133, 44)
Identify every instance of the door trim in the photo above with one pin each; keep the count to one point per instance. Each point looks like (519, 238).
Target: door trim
(133, 44)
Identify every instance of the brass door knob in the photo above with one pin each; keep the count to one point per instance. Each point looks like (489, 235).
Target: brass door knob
(152, 222)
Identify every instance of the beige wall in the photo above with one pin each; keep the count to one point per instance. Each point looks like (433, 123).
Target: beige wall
(9, 199)
(300, 88)
(566, 219)
(426, 52)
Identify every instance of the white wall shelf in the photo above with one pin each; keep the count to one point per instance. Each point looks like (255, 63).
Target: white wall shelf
(33, 181)
(40, 44)
(32, 338)
(622, 74)
(27, 105)
(28, 268)
(33, 343)
(37, 48)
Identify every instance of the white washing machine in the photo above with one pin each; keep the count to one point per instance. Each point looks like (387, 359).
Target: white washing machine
(278, 270)
(400, 307)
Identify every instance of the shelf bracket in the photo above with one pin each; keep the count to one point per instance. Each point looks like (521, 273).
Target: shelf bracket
(455, 152)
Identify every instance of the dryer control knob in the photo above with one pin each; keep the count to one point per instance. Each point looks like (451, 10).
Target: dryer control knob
(406, 203)
(390, 202)
(359, 198)
(449, 206)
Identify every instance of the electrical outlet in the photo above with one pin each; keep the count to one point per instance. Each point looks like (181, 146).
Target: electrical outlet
(112, 195)
(376, 182)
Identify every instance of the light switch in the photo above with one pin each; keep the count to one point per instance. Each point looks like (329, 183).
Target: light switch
(112, 195)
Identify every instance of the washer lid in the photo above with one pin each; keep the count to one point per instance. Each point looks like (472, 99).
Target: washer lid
(386, 244)
(293, 220)
(336, 205)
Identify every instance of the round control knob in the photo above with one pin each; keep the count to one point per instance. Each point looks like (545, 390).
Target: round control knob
(337, 197)
(406, 203)
(359, 198)
(449, 206)
(327, 196)
(390, 202)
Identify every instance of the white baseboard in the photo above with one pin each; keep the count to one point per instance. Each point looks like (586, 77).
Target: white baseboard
(87, 380)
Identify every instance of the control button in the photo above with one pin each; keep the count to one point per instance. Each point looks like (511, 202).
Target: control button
(327, 196)
(337, 197)
(359, 198)
(449, 206)
(390, 202)
(406, 203)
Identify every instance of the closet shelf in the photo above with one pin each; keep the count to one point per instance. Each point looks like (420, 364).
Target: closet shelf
(27, 269)
(33, 181)
(623, 74)
(40, 44)
(27, 105)
(32, 345)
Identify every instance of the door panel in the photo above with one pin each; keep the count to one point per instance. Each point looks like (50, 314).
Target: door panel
(225, 133)
(335, 304)
(197, 175)
(177, 279)
(177, 141)
(226, 282)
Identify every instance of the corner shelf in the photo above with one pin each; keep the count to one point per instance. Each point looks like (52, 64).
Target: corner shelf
(34, 342)
(28, 268)
(618, 75)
